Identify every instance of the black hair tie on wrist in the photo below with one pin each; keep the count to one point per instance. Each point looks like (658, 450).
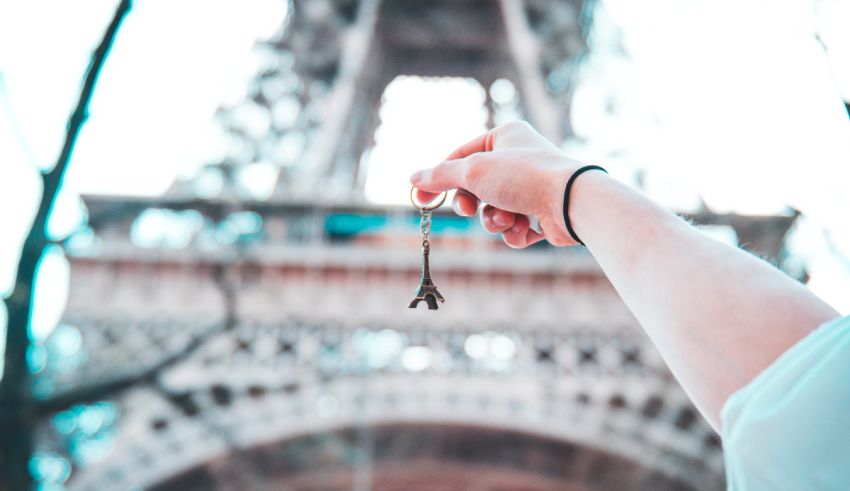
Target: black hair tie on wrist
(567, 198)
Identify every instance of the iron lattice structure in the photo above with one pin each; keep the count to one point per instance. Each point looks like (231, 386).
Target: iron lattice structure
(269, 346)
(314, 106)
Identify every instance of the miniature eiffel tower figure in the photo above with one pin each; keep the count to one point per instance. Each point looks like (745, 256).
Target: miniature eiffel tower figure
(427, 290)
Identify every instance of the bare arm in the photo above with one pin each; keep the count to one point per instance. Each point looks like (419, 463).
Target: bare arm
(718, 315)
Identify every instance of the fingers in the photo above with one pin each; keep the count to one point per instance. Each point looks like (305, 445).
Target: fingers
(449, 174)
(520, 235)
(424, 197)
(446, 175)
(481, 143)
(515, 229)
(465, 203)
(495, 220)
(518, 131)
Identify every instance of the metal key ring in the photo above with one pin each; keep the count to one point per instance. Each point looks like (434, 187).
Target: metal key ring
(426, 206)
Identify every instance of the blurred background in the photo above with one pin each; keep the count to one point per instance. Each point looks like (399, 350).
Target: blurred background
(208, 252)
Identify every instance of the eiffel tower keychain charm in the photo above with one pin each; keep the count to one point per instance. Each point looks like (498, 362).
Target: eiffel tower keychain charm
(427, 291)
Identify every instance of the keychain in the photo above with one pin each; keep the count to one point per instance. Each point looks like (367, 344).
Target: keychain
(427, 291)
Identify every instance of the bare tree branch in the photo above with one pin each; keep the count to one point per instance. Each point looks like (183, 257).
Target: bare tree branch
(19, 303)
(92, 393)
(150, 375)
(15, 394)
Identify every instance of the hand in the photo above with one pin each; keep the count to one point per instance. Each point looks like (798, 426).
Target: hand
(515, 172)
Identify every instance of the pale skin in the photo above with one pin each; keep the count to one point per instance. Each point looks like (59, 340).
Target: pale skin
(717, 314)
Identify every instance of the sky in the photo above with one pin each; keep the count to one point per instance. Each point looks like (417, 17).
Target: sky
(733, 102)
(171, 66)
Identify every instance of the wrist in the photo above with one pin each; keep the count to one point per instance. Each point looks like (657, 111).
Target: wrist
(580, 196)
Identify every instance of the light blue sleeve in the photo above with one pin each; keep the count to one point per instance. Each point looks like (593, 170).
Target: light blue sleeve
(789, 429)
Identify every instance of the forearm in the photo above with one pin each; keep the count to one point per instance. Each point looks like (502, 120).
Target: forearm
(717, 314)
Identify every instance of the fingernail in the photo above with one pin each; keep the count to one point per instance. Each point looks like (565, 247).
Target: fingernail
(499, 220)
(417, 176)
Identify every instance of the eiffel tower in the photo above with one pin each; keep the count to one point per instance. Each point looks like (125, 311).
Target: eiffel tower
(264, 346)
(427, 290)
(332, 61)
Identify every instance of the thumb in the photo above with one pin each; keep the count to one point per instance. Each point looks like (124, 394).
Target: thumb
(447, 175)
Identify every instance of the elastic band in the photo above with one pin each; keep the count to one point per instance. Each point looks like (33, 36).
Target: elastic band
(567, 198)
